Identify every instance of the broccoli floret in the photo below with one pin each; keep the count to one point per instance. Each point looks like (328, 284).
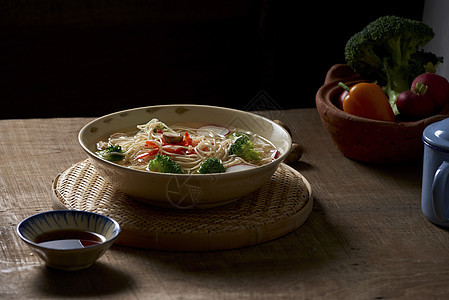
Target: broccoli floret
(423, 62)
(112, 153)
(164, 164)
(385, 50)
(244, 148)
(211, 165)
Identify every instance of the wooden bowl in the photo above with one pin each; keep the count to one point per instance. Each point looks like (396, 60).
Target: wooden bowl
(364, 139)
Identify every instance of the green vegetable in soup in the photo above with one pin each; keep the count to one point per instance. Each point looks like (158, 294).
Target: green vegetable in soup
(164, 164)
(244, 148)
(211, 165)
(112, 153)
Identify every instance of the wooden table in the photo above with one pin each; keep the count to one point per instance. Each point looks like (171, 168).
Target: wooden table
(366, 237)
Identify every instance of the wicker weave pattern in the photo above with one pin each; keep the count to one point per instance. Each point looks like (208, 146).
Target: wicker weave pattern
(284, 195)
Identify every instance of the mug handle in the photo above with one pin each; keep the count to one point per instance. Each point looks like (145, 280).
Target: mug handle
(439, 191)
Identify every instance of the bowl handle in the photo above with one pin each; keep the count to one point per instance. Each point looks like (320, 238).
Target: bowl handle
(340, 72)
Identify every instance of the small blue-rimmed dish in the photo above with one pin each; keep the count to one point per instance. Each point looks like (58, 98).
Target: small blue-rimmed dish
(69, 239)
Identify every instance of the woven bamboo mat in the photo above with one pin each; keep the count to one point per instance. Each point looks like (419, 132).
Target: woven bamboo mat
(282, 205)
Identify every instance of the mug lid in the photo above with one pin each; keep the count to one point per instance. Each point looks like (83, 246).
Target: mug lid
(437, 134)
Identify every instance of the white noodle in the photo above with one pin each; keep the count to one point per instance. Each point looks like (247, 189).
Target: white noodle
(190, 157)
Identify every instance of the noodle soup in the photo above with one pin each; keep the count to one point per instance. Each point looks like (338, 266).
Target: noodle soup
(188, 146)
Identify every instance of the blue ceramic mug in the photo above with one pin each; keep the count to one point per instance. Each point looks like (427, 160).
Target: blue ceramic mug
(435, 184)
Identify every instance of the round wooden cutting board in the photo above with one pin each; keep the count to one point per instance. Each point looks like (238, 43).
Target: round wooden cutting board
(280, 206)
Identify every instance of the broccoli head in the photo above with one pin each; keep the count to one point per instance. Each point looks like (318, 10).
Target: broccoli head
(423, 62)
(112, 153)
(244, 148)
(164, 164)
(211, 165)
(386, 50)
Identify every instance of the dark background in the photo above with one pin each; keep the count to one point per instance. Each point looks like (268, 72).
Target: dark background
(89, 58)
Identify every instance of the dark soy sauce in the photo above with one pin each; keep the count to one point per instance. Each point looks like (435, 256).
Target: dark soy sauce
(69, 239)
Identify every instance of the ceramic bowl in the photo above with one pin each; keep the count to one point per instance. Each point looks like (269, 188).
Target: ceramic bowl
(69, 259)
(364, 139)
(183, 190)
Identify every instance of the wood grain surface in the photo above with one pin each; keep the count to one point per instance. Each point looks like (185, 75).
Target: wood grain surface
(366, 237)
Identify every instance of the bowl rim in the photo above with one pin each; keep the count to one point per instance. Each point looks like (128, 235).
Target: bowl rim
(28, 241)
(223, 174)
